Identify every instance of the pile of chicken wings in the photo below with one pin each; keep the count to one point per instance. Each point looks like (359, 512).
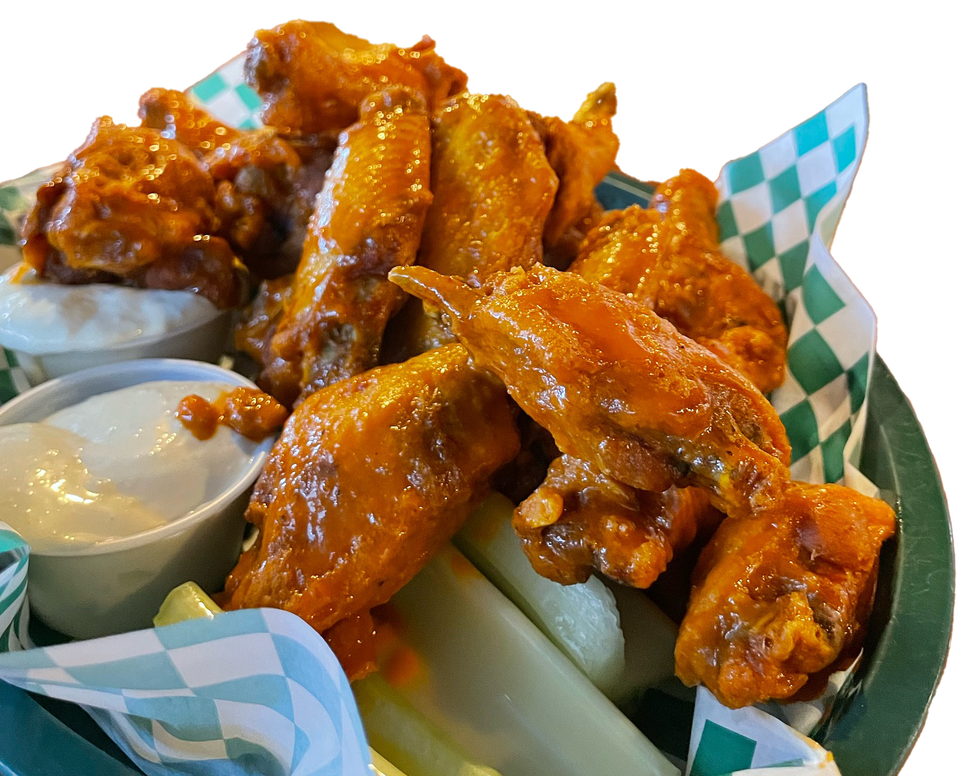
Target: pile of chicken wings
(438, 294)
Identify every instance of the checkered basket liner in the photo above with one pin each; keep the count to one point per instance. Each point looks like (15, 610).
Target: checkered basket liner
(255, 691)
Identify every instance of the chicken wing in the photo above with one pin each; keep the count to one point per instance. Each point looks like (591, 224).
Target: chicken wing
(132, 206)
(779, 594)
(492, 191)
(579, 520)
(312, 77)
(258, 161)
(668, 259)
(370, 477)
(368, 219)
(265, 189)
(581, 152)
(616, 385)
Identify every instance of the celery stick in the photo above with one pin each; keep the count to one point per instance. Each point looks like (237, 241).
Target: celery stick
(582, 620)
(381, 767)
(185, 602)
(407, 738)
(494, 683)
(650, 635)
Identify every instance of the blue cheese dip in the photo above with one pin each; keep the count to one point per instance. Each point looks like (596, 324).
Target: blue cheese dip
(38, 317)
(115, 465)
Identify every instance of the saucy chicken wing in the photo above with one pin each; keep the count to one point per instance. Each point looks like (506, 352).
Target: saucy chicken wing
(370, 478)
(780, 593)
(668, 258)
(580, 520)
(492, 190)
(368, 219)
(616, 385)
(653, 256)
(581, 152)
(312, 77)
(265, 189)
(132, 206)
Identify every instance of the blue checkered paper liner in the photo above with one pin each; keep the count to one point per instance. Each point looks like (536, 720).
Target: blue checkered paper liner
(13, 591)
(255, 691)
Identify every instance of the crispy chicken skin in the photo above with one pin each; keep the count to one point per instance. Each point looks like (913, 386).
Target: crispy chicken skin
(265, 188)
(668, 258)
(370, 477)
(580, 520)
(492, 190)
(312, 77)
(368, 219)
(132, 206)
(779, 594)
(616, 385)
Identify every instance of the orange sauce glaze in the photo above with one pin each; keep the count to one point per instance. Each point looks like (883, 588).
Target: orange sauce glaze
(251, 412)
(400, 665)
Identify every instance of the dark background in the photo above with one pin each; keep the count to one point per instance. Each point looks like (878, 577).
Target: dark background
(685, 100)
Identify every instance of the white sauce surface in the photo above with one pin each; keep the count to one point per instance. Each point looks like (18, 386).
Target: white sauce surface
(114, 465)
(37, 317)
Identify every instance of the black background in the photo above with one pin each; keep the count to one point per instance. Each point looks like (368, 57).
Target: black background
(686, 99)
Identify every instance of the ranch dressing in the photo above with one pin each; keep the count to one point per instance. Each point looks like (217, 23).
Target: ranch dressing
(38, 317)
(114, 465)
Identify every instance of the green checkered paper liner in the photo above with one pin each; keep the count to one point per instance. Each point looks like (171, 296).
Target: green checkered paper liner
(778, 210)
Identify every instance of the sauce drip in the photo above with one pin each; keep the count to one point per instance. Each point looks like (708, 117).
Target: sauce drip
(251, 412)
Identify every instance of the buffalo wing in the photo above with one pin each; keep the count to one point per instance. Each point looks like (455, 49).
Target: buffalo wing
(616, 385)
(370, 477)
(261, 201)
(368, 219)
(668, 258)
(581, 152)
(492, 191)
(134, 207)
(312, 77)
(779, 594)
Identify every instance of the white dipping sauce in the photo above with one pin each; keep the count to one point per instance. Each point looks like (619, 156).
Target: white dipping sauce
(114, 465)
(38, 317)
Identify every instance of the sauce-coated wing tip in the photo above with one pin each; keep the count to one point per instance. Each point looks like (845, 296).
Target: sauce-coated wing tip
(599, 104)
(449, 294)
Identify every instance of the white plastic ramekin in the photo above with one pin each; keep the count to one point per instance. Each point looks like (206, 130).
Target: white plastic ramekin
(91, 590)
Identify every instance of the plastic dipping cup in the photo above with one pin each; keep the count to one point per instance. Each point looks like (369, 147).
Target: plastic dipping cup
(91, 590)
